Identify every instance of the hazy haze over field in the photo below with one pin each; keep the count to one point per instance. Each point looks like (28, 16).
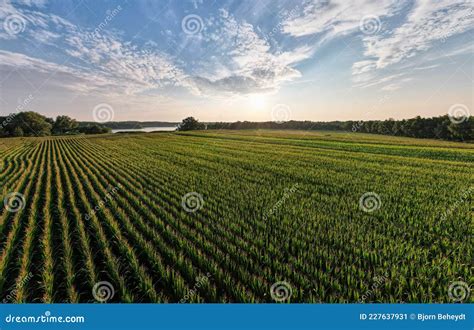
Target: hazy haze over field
(237, 60)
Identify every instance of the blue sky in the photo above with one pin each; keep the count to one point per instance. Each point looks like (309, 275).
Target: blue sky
(236, 60)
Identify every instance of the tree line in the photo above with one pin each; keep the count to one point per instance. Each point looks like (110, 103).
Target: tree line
(443, 127)
(30, 123)
(137, 124)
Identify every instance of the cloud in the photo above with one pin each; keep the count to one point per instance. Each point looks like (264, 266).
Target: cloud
(232, 56)
(460, 50)
(35, 3)
(428, 67)
(243, 61)
(362, 67)
(427, 23)
(337, 17)
(65, 77)
(248, 65)
(138, 69)
(95, 56)
(417, 27)
(46, 37)
(231, 85)
(368, 80)
(76, 91)
(17, 60)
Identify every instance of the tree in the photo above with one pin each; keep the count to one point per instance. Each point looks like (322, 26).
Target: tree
(17, 131)
(441, 130)
(94, 129)
(462, 131)
(64, 124)
(29, 124)
(190, 124)
(33, 124)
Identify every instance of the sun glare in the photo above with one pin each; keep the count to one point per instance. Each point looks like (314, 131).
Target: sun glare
(257, 101)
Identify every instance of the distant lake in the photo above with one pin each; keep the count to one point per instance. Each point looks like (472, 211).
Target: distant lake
(145, 129)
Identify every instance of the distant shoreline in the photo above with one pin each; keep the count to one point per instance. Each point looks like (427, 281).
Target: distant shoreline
(115, 125)
(145, 129)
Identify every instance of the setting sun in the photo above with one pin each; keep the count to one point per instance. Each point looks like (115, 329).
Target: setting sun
(257, 101)
(237, 164)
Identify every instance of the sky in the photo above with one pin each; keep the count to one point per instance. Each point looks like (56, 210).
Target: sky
(226, 60)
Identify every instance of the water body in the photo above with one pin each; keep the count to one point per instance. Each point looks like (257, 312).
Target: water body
(145, 129)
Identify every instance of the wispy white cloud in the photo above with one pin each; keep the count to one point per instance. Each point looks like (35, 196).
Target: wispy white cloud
(137, 68)
(427, 23)
(428, 67)
(67, 77)
(97, 59)
(419, 26)
(238, 58)
(460, 50)
(35, 3)
(337, 17)
(249, 65)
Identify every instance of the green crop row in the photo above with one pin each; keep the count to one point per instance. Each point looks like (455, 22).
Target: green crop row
(262, 216)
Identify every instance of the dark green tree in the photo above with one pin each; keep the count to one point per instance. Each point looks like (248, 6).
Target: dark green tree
(462, 131)
(29, 124)
(190, 124)
(94, 129)
(64, 124)
(17, 131)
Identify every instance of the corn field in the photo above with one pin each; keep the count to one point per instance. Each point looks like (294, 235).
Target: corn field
(235, 216)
